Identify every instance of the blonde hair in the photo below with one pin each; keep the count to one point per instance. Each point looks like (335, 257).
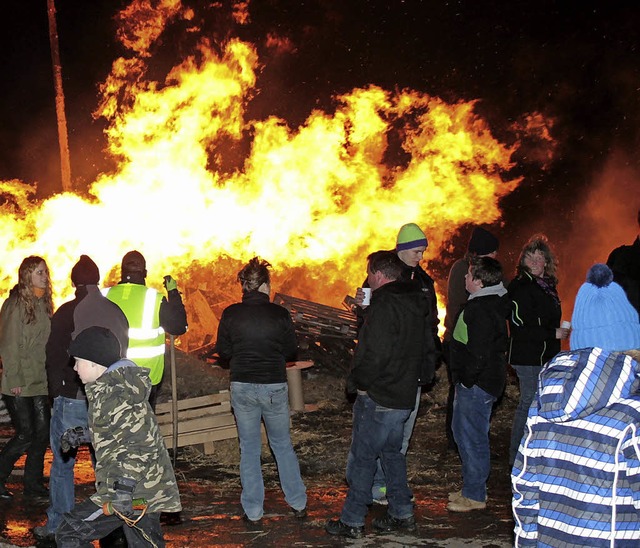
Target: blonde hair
(254, 274)
(26, 295)
(539, 242)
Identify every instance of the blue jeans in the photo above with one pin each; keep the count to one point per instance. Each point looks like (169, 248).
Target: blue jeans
(377, 491)
(251, 403)
(377, 432)
(528, 379)
(470, 424)
(67, 413)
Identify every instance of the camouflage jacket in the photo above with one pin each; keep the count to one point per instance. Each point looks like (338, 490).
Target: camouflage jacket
(126, 438)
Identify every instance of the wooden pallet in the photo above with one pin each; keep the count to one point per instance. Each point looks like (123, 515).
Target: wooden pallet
(201, 420)
(317, 319)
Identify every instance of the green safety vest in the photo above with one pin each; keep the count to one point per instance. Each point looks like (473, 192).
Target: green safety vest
(141, 306)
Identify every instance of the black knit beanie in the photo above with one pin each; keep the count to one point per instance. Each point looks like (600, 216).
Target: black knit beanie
(96, 344)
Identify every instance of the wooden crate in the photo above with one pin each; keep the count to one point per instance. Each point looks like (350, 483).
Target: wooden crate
(204, 420)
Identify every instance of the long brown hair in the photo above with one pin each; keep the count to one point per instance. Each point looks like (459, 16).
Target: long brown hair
(26, 296)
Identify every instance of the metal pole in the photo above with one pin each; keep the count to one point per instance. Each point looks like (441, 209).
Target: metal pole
(63, 139)
(174, 397)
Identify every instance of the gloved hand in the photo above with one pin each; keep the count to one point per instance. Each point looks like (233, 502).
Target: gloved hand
(74, 437)
(170, 284)
(123, 500)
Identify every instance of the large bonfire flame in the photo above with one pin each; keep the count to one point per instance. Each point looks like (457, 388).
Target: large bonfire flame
(314, 200)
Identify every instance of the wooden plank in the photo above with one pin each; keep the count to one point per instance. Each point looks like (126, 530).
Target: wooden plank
(199, 424)
(213, 411)
(190, 403)
(223, 433)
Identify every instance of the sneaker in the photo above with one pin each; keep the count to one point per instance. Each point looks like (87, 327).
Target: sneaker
(389, 523)
(379, 495)
(455, 495)
(463, 504)
(336, 527)
(299, 514)
(43, 534)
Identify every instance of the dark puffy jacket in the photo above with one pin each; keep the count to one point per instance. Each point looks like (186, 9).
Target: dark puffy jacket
(535, 315)
(258, 338)
(479, 342)
(396, 347)
(418, 277)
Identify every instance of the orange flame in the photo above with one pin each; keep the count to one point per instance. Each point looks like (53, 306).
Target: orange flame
(313, 200)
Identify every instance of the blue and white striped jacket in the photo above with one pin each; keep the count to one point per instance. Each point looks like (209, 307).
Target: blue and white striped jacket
(576, 478)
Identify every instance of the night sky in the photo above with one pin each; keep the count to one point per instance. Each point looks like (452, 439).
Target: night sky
(574, 62)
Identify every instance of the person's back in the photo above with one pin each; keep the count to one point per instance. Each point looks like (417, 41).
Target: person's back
(577, 473)
(258, 337)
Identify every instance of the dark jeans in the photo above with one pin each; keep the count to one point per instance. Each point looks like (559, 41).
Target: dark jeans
(528, 380)
(86, 523)
(471, 419)
(377, 432)
(30, 416)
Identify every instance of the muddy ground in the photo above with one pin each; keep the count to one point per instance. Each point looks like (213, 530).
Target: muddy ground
(210, 484)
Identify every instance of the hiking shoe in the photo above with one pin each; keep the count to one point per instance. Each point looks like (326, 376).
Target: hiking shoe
(463, 504)
(455, 495)
(336, 527)
(389, 523)
(43, 534)
(299, 514)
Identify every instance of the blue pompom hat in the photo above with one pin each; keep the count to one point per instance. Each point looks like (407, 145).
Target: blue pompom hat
(602, 315)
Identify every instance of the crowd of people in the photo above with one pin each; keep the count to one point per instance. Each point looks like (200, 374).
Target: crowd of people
(68, 378)
(574, 446)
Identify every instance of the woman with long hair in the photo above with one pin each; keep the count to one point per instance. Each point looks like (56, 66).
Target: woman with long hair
(258, 338)
(534, 324)
(25, 323)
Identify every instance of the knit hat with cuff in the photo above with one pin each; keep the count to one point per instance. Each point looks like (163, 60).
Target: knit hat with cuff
(410, 236)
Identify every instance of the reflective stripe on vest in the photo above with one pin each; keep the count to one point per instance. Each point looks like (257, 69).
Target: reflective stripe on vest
(141, 306)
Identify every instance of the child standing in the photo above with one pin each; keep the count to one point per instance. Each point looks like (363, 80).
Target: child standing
(478, 372)
(132, 461)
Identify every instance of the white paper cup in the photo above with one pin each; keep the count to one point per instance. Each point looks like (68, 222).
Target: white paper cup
(367, 296)
(565, 325)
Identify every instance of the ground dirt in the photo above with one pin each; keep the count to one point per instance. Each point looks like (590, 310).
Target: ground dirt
(210, 484)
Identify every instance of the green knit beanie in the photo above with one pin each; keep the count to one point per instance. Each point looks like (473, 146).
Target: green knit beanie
(410, 236)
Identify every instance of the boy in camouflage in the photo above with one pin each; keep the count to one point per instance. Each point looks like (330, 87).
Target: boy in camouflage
(132, 461)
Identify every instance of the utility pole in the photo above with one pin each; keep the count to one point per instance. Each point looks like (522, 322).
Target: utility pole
(63, 138)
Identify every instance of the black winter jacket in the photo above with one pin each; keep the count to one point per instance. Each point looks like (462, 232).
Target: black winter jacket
(258, 338)
(395, 348)
(535, 315)
(479, 342)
